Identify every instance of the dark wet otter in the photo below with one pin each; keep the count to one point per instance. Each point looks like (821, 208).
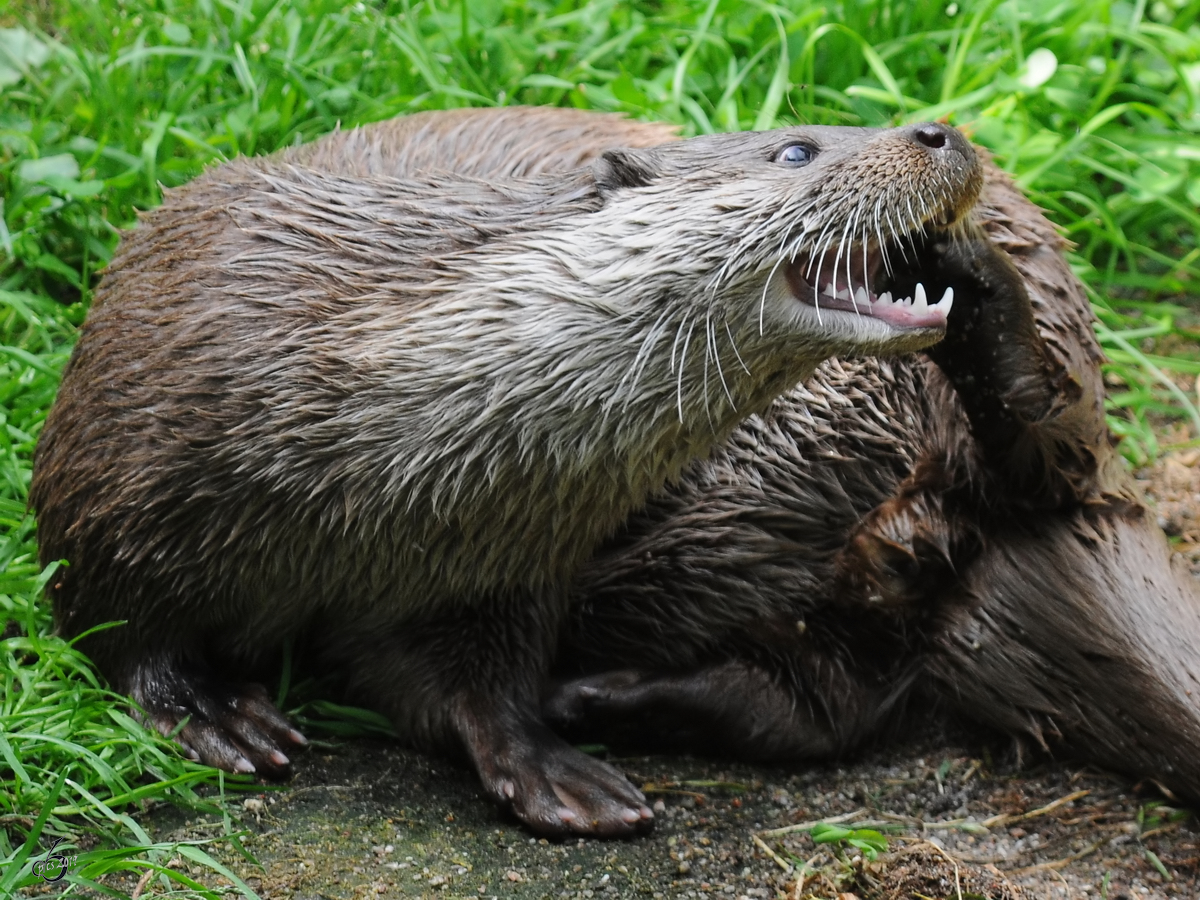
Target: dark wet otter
(956, 528)
(357, 391)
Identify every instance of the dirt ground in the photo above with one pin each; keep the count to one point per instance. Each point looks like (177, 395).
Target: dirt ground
(370, 819)
(966, 818)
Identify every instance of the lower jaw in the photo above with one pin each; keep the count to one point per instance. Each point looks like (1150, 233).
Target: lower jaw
(848, 334)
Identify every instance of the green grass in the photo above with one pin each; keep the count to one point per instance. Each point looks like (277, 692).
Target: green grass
(1094, 106)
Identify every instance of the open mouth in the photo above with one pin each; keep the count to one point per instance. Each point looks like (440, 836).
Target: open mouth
(857, 281)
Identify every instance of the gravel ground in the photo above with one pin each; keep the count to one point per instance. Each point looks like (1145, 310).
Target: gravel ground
(1173, 487)
(373, 820)
(964, 816)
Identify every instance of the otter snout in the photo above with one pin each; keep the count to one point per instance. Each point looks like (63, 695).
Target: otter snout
(870, 198)
(948, 148)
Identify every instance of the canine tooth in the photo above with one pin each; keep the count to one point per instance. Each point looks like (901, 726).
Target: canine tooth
(861, 297)
(947, 300)
(919, 301)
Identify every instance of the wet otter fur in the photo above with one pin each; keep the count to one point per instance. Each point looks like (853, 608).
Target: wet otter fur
(394, 390)
(953, 528)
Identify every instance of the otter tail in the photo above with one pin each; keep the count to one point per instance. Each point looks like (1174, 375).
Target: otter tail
(1083, 633)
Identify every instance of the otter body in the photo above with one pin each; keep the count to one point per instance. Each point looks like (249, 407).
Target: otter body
(357, 390)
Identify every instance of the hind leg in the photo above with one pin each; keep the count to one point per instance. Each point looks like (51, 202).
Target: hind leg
(470, 682)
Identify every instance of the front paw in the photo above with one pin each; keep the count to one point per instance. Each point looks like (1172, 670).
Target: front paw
(234, 727)
(993, 352)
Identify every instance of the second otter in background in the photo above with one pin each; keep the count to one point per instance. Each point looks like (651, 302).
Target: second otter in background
(956, 530)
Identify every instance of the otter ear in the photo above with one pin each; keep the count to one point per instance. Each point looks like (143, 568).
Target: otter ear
(625, 168)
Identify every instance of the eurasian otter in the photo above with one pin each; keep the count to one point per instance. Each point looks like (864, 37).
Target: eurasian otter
(956, 528)
(359, 390)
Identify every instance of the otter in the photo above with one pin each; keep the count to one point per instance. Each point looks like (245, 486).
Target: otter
(951, 529)
(395, 389)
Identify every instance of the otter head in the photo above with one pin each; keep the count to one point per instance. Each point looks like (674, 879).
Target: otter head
(797, 243)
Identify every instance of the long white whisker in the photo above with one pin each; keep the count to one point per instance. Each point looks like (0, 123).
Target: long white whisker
(682, 359)
(821, 252)
(704, 384)
(817, 243)
(837, 258)
(733, 344)
(897, 239)
(675, 343)
(717, 360)
(848, 235)
(866, 262)
(643, 355)
(877, 221)
(762, 306)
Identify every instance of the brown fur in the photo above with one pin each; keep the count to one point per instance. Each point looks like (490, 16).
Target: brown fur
(359, 391)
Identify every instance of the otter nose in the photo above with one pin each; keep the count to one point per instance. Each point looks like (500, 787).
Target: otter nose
(932, 135)
(941, 139)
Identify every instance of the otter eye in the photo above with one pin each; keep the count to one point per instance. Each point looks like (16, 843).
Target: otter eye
(795, 155)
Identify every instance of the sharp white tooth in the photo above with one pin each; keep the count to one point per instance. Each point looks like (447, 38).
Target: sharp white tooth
(947, 301)
(843, 294)
(828, 292)
(861, 297)
(919, 301)
(885, 297)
